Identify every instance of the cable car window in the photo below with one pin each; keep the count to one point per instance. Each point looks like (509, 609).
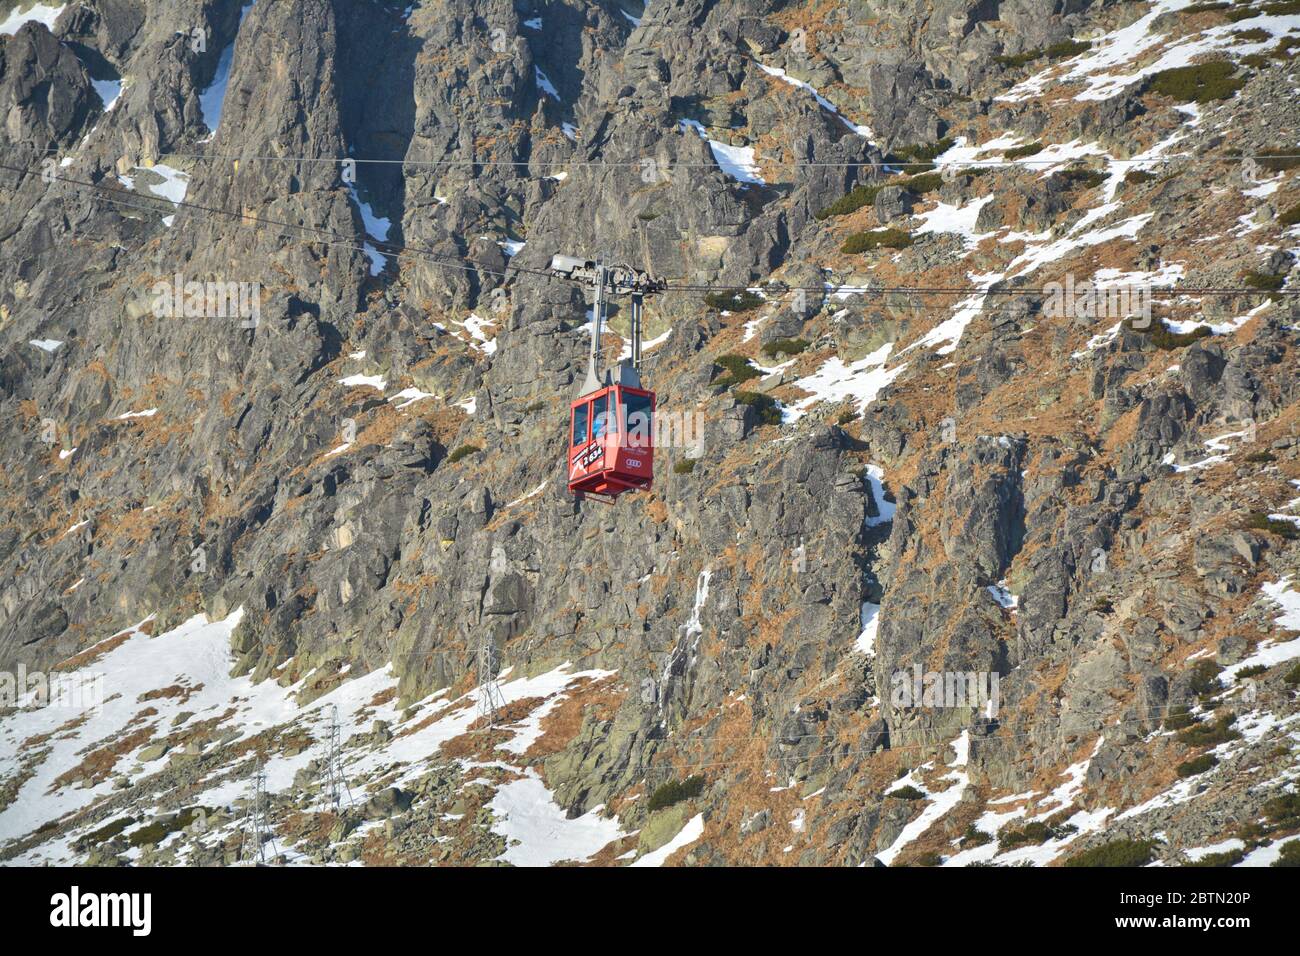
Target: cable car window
(639, 419)
(611, 420)
(580, 424)
(599, 416)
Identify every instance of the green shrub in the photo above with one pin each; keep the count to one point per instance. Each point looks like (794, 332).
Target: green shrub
(684, 467)
(930, 859)
(865, 194)
(1230, 858)
(1283, 8)
(1136, 177)
(1206, 7)
(1205, 678)
(1036, 831)
(858, 197)
(1190, 768)
(1248, 672)
(906, 793)
(846, 416)
(1017, 60)
(1209, 733)
(769, 413)
(1260, 457)
(1164, 338)
(159, 830)
(1263, 282)
(1284, 809)
(1058, 51)
(1253, 35)
(1115, 853)
(1082, 178)
(738, 300)
(648, 216)
(1290, 217)
(974, 836)
(785, 347)
(1020, 152)
(1283, 50)
(1252, 831)
(1180, 718)
(1246, 13)
(106, 832)
(738, 370)
(1256, 61)
(1198, 83)
(1259, 521)
(675, 791)
(875, 239)
(1290, 855)
(463, 451)
(921, 154)
(1292, 676)
(924, 183)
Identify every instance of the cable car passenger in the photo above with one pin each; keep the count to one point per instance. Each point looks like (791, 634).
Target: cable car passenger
(600, 417)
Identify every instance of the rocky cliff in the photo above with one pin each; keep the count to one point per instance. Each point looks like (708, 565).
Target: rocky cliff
(934, 569)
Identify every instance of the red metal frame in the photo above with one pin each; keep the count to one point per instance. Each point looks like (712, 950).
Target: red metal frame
(617, 460)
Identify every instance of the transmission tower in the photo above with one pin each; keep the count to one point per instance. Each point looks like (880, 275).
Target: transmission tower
(336, 784)
(255, 822)
(489, 693)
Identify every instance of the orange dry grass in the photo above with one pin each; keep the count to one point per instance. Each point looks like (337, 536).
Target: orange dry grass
(95, 652)
(98, 764)
(598, 699)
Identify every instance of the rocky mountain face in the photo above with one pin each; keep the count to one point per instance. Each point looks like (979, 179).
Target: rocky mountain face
(1077, 526)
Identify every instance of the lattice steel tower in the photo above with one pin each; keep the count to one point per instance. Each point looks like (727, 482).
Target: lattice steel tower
(490, 700)
(255, 821)
(336, 783)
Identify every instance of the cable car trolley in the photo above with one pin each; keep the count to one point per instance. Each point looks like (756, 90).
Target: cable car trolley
(611, 422)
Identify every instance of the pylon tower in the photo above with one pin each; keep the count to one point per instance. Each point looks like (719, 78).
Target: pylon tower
(336, 783)
(255, 824)
(490, 701)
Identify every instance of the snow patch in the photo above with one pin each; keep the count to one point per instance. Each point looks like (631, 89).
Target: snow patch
(544, 83)
(938, 804)
(373, 381)
(866, 641)
(736, 161)
(693, 830)
(213, 98)
(37, 13)
(537, 831)
(835, 381)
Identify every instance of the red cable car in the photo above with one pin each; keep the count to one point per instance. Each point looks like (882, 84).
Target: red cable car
(611, 423)
(611, 441)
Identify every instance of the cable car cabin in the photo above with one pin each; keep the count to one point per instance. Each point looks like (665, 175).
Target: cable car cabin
(611, 441)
